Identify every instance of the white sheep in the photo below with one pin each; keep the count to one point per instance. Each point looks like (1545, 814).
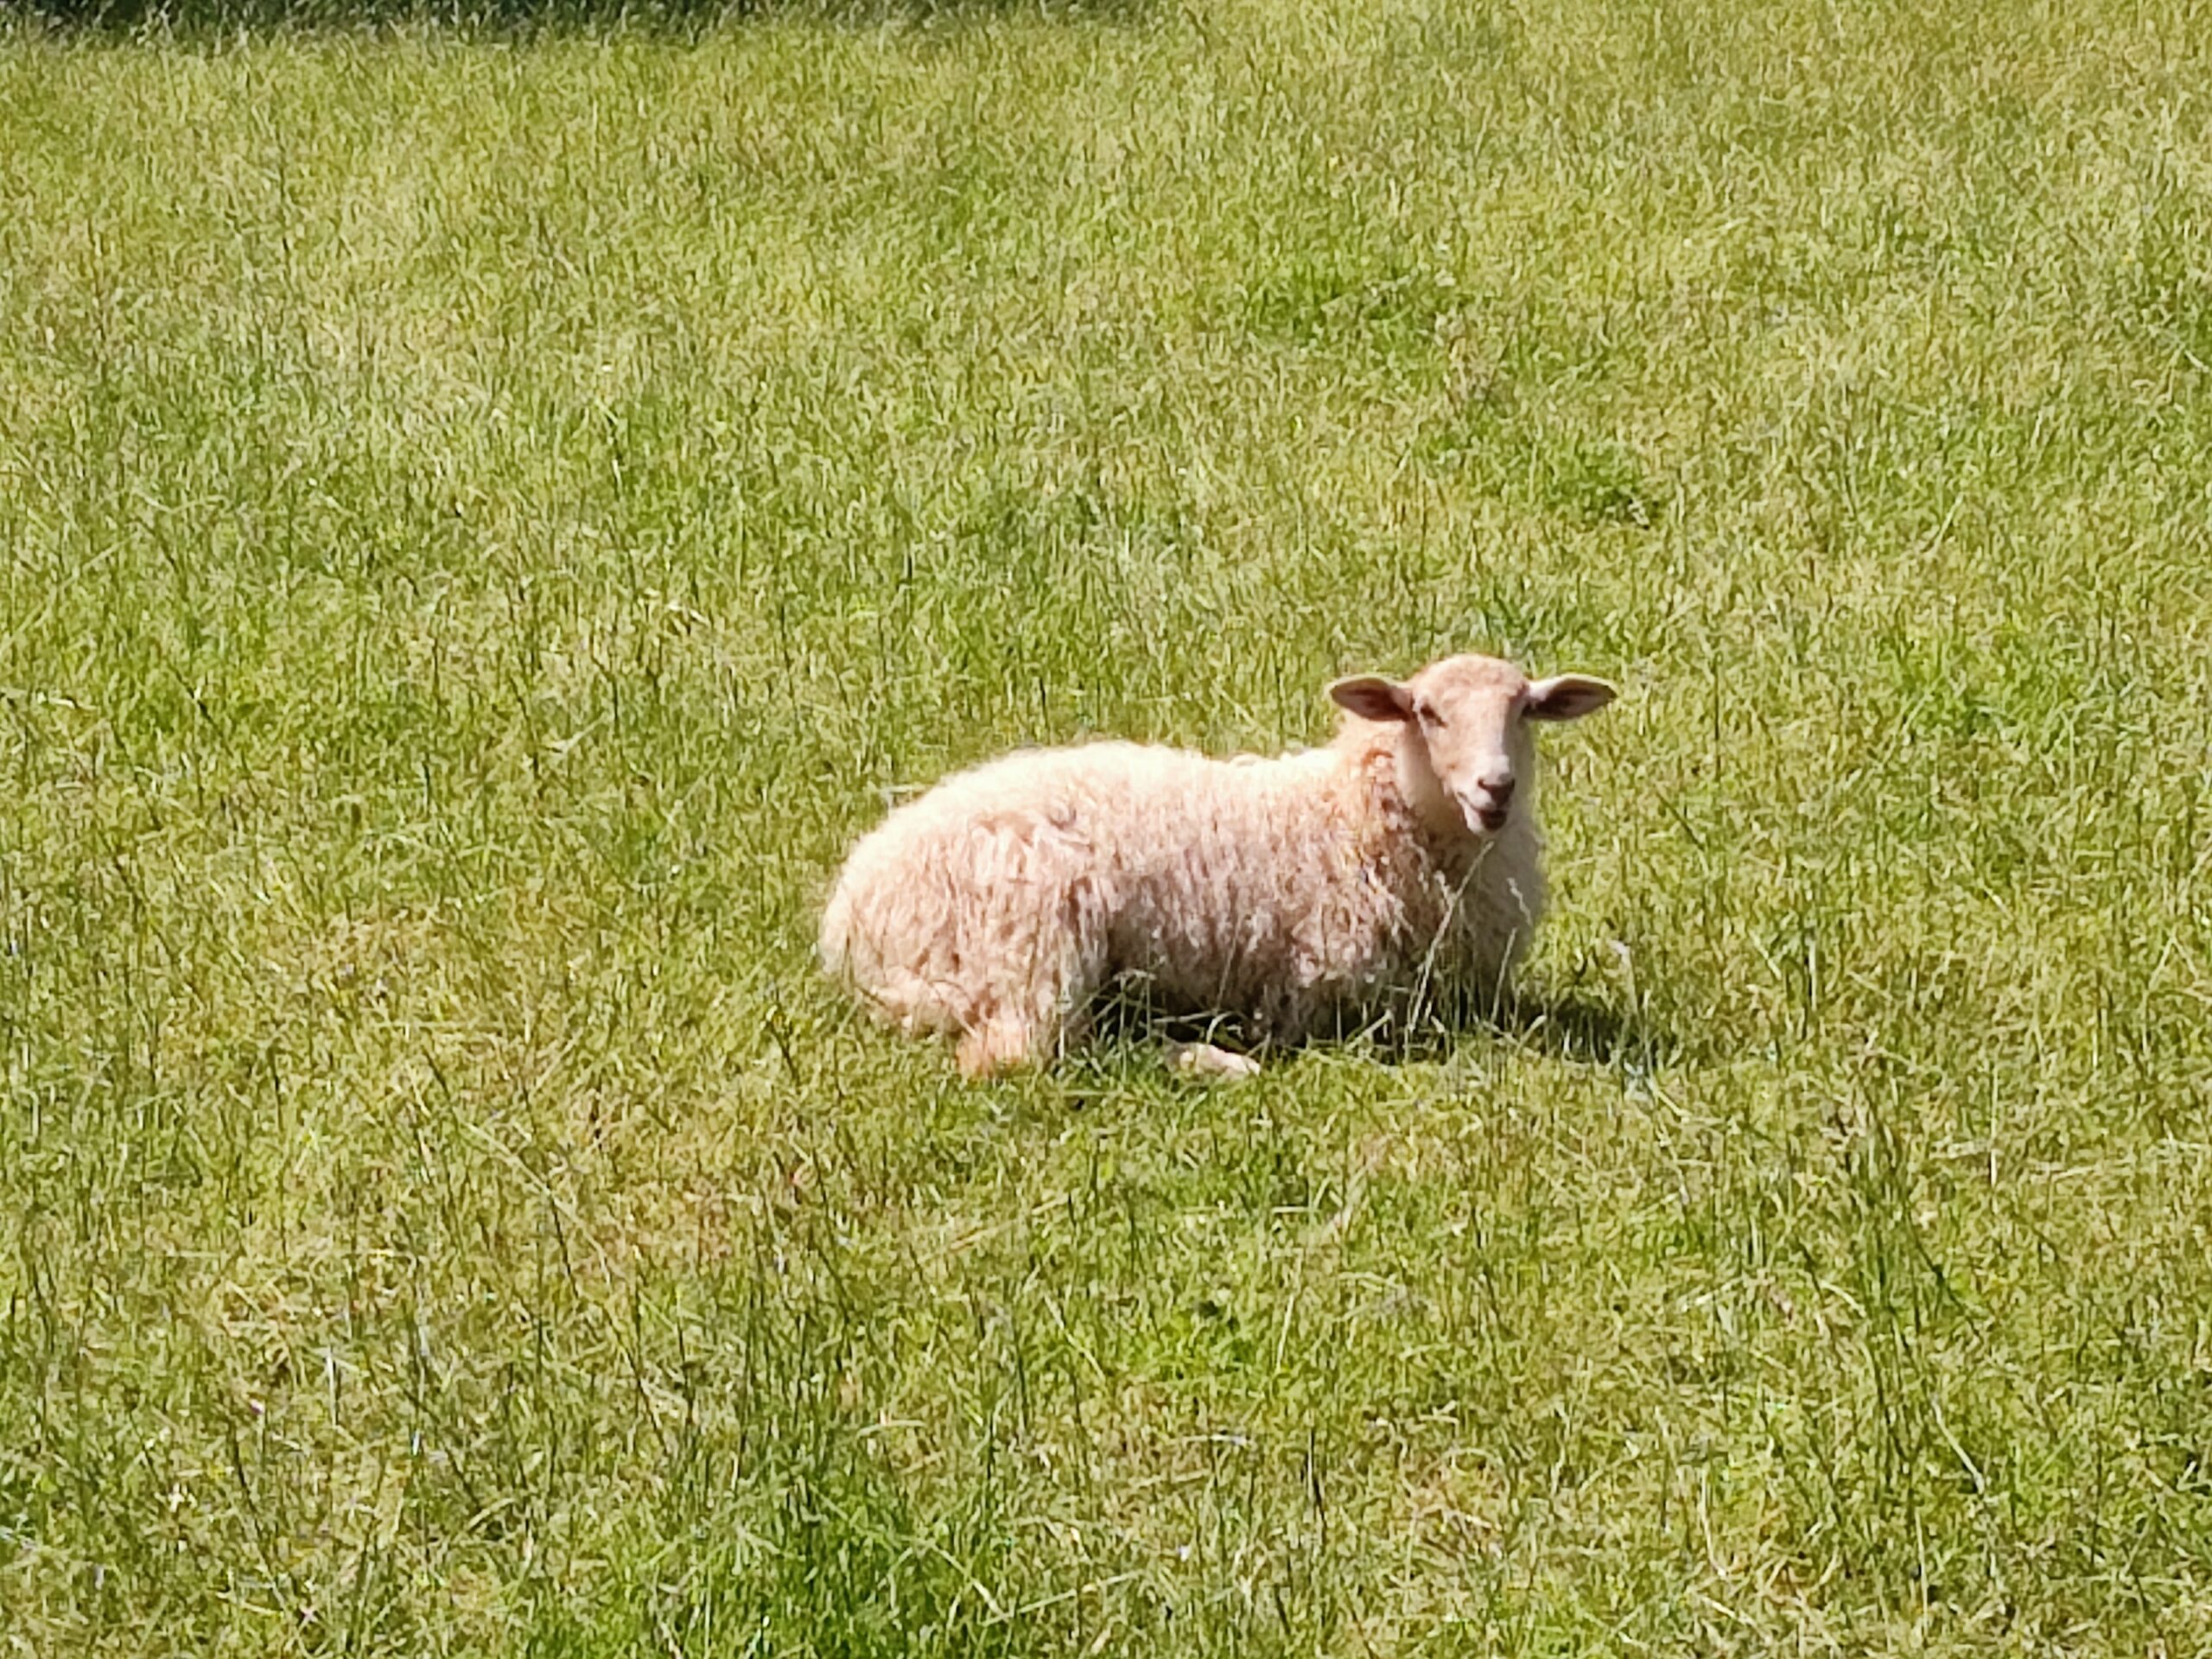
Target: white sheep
(1292, 890)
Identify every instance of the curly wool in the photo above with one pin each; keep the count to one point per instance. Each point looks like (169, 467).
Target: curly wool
(1298, 890)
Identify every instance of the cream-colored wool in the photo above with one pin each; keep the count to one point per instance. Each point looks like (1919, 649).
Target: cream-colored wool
(1295, 891)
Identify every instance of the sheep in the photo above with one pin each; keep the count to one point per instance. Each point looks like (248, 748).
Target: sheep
(1289, 891)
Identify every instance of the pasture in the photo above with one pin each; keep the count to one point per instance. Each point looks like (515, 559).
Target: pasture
(487, 515)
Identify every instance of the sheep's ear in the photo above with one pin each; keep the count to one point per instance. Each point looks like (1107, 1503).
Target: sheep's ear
(1567, 696)
(1372, 698)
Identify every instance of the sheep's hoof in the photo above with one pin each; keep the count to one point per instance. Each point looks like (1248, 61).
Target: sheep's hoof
(1215, 1064)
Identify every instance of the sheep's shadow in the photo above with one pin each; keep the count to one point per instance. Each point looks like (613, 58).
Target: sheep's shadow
(1570, 1026)
(1574, 1026)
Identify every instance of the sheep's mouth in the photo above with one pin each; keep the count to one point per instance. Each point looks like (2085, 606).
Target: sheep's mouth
(1485, 817)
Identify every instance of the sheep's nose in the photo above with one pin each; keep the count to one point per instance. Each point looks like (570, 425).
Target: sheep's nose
(1494, 801)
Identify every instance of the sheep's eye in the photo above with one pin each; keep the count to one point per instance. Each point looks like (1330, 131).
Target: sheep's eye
(1425, 712)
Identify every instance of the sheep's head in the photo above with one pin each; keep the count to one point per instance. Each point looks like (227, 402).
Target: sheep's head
(1467, 723)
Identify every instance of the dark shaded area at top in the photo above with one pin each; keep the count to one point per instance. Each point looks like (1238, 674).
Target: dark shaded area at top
(199, 17)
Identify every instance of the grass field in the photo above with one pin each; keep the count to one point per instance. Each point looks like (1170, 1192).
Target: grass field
(484, 520)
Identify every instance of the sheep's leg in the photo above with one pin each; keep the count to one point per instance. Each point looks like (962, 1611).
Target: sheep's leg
(1027, 1027)
(1041, 999)
(1204, 1060)
(1000, 1044)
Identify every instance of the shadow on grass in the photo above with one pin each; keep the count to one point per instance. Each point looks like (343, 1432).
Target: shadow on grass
(188, 20)
(1571, 1027)
(1568, 1025)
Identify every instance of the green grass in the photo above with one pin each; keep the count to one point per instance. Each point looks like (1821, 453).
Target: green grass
(485, 519)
